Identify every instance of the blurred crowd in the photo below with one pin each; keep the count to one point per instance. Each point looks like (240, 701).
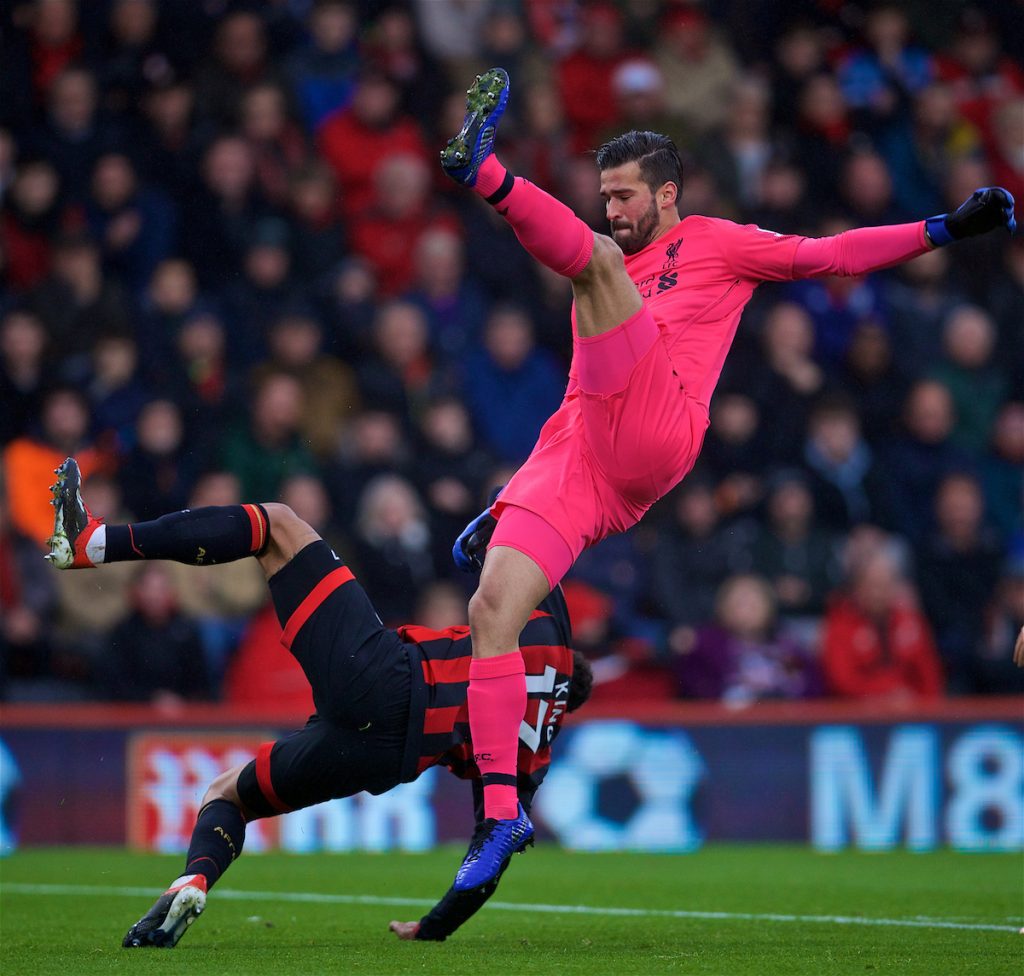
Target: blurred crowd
(230, 270)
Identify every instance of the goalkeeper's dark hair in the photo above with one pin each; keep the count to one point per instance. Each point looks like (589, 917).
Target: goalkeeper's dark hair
(657, 155)
(581, 683)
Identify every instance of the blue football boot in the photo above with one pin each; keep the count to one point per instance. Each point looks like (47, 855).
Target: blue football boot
(486, 99)
(493, 843)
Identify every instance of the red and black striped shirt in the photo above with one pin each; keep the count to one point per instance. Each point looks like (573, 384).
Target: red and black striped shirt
(442, 677)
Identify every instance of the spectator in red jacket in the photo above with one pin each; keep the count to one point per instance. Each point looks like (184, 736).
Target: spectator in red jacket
(877, 644)
(400, 211)
(584, 77)
(356, 140)
(1007, 139)
(30, 219)
(56, 42)
(981, 74)
(262, 672)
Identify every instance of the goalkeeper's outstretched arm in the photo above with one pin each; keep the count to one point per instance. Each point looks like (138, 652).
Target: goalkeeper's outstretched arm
(866, 249)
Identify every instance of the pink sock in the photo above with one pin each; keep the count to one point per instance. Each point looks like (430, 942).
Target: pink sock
(547, 228)
(490, 176)
(497, 703)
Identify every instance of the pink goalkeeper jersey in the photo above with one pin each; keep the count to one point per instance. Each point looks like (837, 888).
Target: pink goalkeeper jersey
(602, 460)
(696, 280)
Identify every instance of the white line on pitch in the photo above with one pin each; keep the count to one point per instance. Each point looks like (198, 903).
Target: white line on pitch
(310, 897)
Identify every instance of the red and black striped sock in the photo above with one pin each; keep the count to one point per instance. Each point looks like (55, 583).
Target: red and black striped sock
(217, 840)
(197, 536)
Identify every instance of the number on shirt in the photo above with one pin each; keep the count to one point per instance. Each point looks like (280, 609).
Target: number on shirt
(534, 736)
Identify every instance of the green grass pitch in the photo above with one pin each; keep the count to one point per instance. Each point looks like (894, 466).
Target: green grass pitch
(726, 910)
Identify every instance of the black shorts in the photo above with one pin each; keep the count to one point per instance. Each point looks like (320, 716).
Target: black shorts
(360, 674)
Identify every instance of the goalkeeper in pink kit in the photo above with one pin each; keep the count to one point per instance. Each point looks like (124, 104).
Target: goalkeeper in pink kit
(655, 310)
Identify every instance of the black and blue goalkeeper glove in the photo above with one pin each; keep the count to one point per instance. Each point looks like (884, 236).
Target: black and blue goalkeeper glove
(988, 208)
(471, 545)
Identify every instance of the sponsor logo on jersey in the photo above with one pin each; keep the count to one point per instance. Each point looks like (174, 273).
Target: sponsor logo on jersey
(668, 280)
(657, 284)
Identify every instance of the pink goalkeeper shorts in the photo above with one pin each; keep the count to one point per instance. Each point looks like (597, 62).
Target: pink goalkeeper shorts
(626, 435)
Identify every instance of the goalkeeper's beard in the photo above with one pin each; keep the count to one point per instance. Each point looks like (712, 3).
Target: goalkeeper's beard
(636, 237)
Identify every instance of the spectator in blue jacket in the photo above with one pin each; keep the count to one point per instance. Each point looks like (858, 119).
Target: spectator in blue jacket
(510, 385)
(322, 74)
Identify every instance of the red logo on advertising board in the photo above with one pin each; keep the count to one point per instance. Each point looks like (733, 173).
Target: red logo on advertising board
(168, 773)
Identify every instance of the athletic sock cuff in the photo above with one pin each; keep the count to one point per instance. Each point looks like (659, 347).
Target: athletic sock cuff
(260, 523)
(503, 191)
(497, 667)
